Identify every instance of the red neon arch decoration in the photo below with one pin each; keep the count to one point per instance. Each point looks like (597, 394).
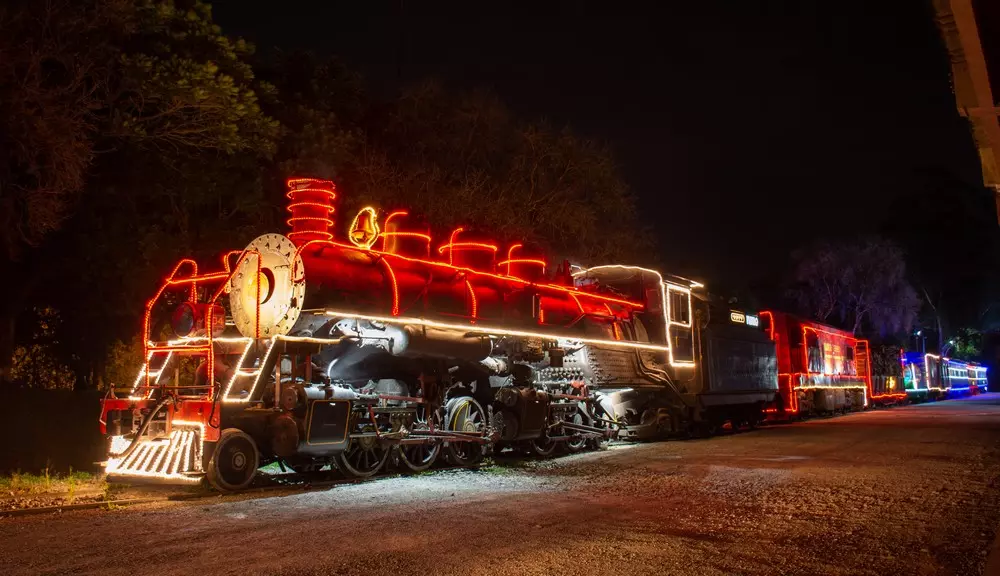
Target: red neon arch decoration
(386, 234)
(511, 260)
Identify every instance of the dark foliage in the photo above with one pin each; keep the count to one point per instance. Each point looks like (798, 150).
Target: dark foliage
(157, 137)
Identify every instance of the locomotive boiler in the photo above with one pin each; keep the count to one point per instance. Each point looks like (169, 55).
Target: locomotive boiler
(308, 350)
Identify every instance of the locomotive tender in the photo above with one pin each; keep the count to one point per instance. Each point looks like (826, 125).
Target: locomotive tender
(310, 351)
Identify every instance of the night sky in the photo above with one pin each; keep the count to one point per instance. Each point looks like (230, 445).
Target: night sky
(745, 129)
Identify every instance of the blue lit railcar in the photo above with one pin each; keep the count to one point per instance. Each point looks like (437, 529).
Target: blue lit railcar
(977, 378)
(929, 376)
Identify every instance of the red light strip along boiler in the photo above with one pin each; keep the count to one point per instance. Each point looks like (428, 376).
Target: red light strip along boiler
(468, 271)
(395, 286)
(473, 302)
(452, 246)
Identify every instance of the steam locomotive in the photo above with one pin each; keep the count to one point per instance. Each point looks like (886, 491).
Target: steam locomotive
(383, 346)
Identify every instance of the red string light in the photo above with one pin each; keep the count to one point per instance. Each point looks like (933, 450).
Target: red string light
(510, 256)
(150, 303)
(393, 215)
(409, 234)
(475, 304)
(193, 279)
(395, 287)
(467, 246)
(578, 305)
(196, 279)
(791, 391)
(469, 271)
(451, 240)
(508, 262)
(511, 260)
(614, 323)
(386, 234)
(305, 221)
(770, 323)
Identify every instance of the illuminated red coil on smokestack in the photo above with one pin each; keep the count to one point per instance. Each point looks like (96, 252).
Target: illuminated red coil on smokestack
(311, 207)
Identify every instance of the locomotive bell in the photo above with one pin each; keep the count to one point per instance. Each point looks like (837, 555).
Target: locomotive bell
(364, 230)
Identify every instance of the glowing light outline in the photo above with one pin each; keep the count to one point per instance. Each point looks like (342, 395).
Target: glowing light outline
(470, 271)
(491, 330)
(511, 260)
(263, 361)
(291, 184)
(149, 456)
(142, 372)
(475, 303)
(664, 292)
(373, 219)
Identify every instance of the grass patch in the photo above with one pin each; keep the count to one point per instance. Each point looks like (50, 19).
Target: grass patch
(503, 466)
(19, 484)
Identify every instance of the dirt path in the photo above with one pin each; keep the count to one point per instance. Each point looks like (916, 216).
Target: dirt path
(912, 490)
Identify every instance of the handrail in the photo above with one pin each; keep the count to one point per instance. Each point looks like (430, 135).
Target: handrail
(172, 280)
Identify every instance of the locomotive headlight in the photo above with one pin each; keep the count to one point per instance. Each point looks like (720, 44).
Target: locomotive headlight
(264, 281)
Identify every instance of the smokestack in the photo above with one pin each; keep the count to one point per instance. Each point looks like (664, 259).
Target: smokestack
(310, 202)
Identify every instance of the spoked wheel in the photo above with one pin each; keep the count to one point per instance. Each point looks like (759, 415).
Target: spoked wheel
(234, 462)
(544, 446)
(466, 415)
(364, 457)
(419, 457)
(600, 419)
(576, 441)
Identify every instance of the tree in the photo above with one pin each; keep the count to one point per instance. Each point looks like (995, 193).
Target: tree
(466, 160)
(184, 86)
(862, 281)
(56, 61)
(966, 344)
(188, 150)
(176, 139)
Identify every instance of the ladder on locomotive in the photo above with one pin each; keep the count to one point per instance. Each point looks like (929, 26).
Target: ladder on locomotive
(159, 355)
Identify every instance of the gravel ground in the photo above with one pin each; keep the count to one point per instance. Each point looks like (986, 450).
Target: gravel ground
(911, 490)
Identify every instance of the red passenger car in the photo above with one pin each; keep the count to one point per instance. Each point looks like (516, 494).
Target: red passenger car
(821, 369)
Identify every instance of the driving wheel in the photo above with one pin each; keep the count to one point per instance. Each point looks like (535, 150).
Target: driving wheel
(234, 462)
